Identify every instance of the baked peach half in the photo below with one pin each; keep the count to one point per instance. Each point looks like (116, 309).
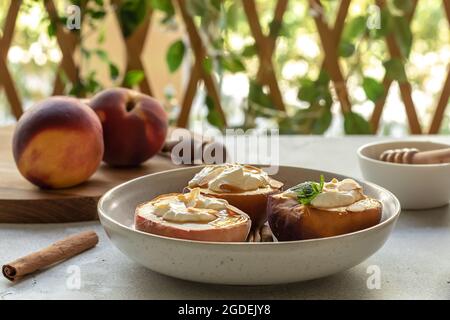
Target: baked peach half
(193, 216)
(243, 186)
(316, 210)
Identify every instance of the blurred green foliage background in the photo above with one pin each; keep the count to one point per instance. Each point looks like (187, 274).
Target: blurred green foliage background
(311, 103)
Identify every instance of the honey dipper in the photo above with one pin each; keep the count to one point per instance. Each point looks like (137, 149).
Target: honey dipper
(415, 156)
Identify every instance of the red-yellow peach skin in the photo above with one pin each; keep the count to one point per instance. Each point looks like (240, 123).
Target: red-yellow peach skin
(134, 125)
(58, 143)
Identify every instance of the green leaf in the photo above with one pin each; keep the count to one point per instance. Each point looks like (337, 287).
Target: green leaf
(395, 70)
(164, 6)
(403, 35)
(249, 51)
(85, 52)
(275, 28)
(63, 20)
(316, 92)
(355, 124)
(101, 37)
(355, 28)
(232, 16)
(323, 78)
(385, 25)
(233, 64)
(102, 54)
(307, 91)
(131, 14)
(216, 4)
(323, 123)
(133, 77)
(113, 71)
(200, 8)
(207, 64)
(308, 190)
(346, 49)
(98, 14)
(213, 115)
(92, 85)
(76, 2)
(175, 55)
(374, 90)
(256, 94)
(403, 5)
(51, 29)
(77, 90)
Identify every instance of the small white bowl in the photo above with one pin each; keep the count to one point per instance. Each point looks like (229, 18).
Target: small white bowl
(419, 186)
(240, 263)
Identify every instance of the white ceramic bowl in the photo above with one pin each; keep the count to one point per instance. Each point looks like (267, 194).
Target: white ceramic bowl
(416, 186)
(238, 263)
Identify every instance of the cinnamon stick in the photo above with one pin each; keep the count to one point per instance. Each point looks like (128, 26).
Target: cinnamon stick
(56, 252)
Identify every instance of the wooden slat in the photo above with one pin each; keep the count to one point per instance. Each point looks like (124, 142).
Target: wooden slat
(10, 89)
(200, 56)
(280, 9)
(339, 24)
(440, 108)
(264, 52)
(5, 76)
(340, 20)
(331, 56)
(266, 44)
(379, 105)
(445, 94)
(135, 45)
(8, 29)
(67, 42)
(387, 82)
(405, 87)
(58, 85)
(189, 95)
(271, 39)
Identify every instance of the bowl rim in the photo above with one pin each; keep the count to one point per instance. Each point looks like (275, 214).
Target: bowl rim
(365, 146)
(382, 224)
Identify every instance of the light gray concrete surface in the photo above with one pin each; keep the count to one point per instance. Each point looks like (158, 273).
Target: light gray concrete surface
(414, 263)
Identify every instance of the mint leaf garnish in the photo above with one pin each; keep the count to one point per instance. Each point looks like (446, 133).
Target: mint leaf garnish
(307, 191)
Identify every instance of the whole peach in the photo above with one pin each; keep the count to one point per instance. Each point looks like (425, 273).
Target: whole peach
(58, 143)
(134, 125)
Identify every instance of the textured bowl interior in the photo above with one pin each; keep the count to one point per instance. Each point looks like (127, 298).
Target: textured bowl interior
(238, 263)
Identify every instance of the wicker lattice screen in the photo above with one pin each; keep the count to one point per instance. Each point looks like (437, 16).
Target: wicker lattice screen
(329, 35)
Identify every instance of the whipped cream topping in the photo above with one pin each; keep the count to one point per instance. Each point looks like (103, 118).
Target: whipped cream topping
(338, 194)
(188, 207)
(230, 178)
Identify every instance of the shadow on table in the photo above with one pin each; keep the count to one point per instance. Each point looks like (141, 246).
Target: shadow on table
(349, 284)
(432, 218)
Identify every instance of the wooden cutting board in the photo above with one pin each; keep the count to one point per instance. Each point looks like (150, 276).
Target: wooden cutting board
(22, 202)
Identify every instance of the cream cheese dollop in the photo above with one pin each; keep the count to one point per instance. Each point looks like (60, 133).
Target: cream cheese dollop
(363, 205)
(338, 194)
(229, 177)
(188, 207)
(205, 175)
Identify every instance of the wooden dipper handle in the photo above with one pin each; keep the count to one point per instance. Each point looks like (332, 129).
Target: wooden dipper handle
(413, 156)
